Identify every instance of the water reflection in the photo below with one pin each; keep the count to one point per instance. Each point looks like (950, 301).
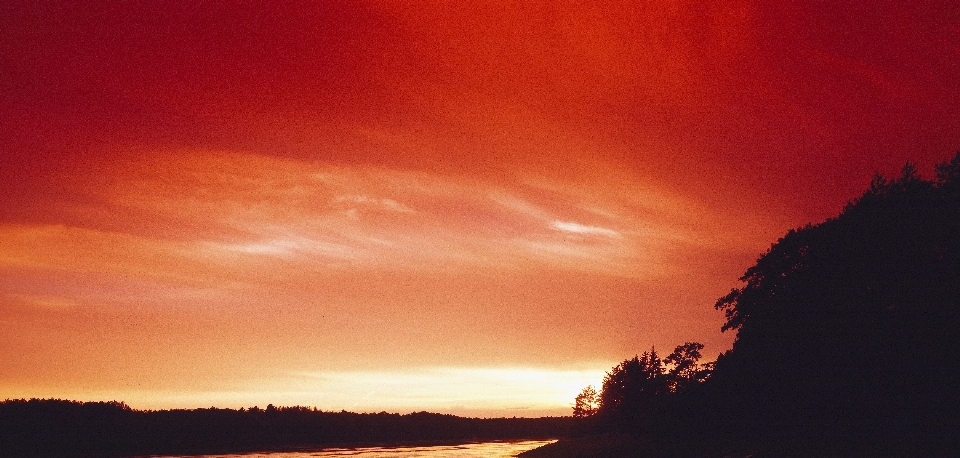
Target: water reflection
(483, 449)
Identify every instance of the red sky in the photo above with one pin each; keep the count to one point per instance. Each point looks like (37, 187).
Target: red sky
(466, 207)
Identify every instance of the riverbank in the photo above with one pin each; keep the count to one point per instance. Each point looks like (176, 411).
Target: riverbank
(609, 445)
(52, 428)
(622, 445)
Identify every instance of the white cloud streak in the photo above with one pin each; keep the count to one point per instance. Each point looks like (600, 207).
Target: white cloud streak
(577, 228)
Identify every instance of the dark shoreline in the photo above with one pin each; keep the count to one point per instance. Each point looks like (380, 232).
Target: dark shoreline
(60, 428)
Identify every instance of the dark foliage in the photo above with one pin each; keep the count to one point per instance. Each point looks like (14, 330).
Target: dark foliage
(847, 330)
(847, 342)
(639, 394)
(54, 428)
(586, 403)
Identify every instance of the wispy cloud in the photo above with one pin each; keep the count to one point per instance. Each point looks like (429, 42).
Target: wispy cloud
(250, 225)
(236, 210)
(577, 228)
(409, 220)
(382, 203)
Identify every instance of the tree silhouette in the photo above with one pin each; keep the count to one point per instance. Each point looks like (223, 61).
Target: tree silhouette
(846, 330)
(846, 342)
(586, 403)
(630, 386)
(684, 371)
(638, 393)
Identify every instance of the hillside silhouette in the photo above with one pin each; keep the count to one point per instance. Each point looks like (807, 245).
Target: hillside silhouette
(846, 345)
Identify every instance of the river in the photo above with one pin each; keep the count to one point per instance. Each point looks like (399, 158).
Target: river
(481, 449)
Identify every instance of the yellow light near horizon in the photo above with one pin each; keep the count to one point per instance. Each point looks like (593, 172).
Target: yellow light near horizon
(464, 391)
(481, 392)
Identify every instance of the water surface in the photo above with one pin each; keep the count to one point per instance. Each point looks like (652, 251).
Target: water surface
(482, 449)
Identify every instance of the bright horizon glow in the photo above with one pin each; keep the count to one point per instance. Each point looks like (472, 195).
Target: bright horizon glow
(483, 392)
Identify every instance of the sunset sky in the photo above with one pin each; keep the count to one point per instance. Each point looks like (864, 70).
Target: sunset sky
(462, 207)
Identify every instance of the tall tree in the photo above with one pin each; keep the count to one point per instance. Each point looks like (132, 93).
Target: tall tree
(847, 329)
(683, 368)
(586, 403)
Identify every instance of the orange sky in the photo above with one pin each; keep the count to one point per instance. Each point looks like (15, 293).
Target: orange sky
(465, 207)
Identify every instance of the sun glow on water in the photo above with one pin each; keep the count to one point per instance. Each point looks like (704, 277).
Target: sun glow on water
(485, 449)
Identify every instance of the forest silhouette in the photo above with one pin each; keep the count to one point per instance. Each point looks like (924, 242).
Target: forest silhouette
(846, 345)
(61, 428)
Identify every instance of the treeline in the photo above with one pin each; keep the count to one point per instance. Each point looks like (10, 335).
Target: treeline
(53, 427)
(637, 392)
(847, 345)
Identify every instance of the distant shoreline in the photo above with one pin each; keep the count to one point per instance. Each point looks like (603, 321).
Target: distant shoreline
(61, 428)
